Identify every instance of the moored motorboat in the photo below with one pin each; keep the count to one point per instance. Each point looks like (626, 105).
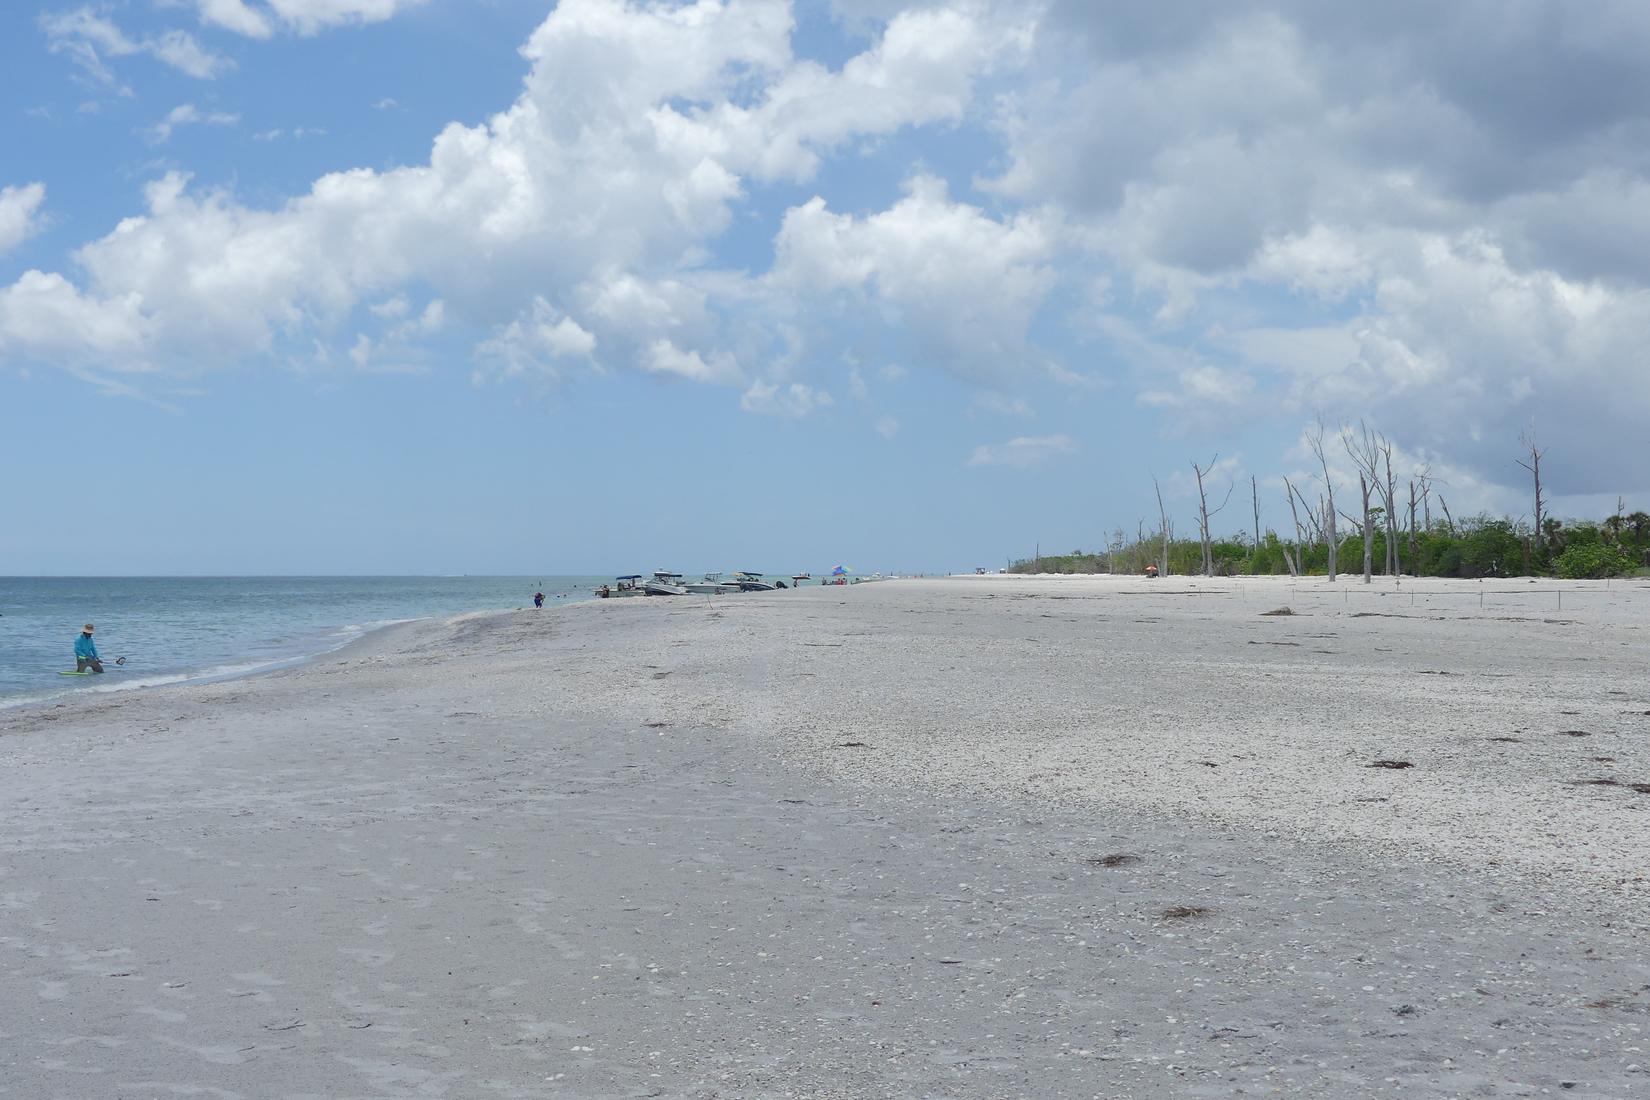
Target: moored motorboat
(712, 585)
(621, 586)
(665, 583)
(751, 582)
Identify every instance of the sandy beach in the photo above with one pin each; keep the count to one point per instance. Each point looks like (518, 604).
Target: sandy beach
(975, 837)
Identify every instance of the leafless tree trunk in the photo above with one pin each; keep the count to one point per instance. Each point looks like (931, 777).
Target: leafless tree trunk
(1316, 443)
(1534, 466)
(1313, 528)
(1203, 512)
(1449, 519)
(1414, 553)
(1254, 496)
(1394, 561)
(1364, 449)
(1368, 529)
(1326, 524)
(1163, 528)
(1293, 561)
(1314, 515)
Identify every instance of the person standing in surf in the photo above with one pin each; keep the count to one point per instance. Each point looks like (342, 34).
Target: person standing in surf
(85, 652)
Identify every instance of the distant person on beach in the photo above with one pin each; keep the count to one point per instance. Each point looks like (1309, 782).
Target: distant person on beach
(85, 651)
(538, 599)
(1151, 570)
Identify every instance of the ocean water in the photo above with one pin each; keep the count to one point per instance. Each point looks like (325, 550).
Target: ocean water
(171, 629)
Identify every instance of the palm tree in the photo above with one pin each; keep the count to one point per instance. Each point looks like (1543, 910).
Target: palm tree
(1553, 529)
(1639, 523)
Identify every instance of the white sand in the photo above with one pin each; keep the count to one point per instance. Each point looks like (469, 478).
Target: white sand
(1102, 692)
(458, 861)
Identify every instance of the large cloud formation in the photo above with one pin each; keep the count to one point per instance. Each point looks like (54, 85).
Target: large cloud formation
(1431, 215)
(1456, 191)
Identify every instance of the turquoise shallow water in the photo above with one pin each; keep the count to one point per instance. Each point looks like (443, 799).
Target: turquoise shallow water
(177, 628)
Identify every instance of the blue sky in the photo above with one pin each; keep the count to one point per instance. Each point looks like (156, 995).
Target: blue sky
(389, 286)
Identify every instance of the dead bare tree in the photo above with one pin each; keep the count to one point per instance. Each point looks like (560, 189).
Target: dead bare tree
(1293, 559)
(1314, 515)
(1203, 512)
(1311, 532)
(1254, 496)
(1326, 521)
(1363, 528)
(1534, 466)
(1449, 519)
(1316, 443)
(1389, 493)
(1163, 528)
(1366, 528)
(1290, 560)
(1364, 449)
(1297, 558)
(1414, 553)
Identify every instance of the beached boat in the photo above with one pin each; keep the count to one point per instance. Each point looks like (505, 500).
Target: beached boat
(712, 585)
(621, 586)
(751, 582)
(664, 583)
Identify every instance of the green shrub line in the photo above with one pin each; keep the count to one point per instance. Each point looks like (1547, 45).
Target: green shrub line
(1482, 546)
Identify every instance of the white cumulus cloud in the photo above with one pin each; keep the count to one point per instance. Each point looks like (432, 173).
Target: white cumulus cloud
(794, 400)
(539, 343)
(259, 20)
(88, 37)
(20, 213)
(1225, 213)
(237, 16)
(1023, 452)
(187, 114)
(964, 282)
(593, 197)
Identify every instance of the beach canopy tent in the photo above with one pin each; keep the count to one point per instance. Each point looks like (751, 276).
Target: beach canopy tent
(629, 577)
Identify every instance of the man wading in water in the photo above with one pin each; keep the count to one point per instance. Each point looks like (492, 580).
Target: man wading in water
(85, 652)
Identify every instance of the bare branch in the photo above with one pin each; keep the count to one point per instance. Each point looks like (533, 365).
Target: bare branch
(1316, 443)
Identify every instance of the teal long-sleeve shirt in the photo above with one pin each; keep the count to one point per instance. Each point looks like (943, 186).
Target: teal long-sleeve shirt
(84, 647)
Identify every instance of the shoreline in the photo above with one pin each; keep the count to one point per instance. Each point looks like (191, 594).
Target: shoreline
(919, 838)
(196, 628)
(223, 674)
(357, 635)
